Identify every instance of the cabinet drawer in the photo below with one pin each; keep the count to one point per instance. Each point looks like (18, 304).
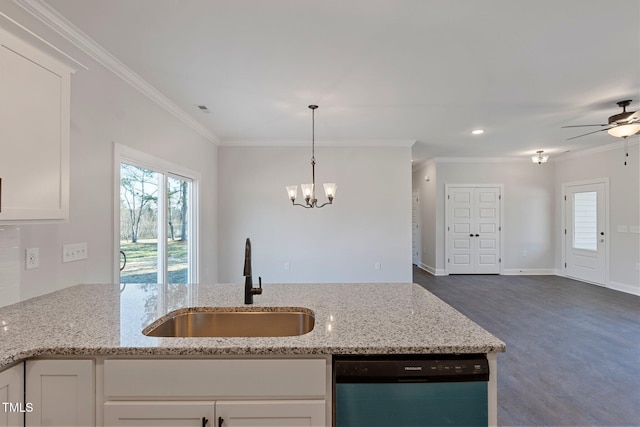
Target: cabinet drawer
(281, 378)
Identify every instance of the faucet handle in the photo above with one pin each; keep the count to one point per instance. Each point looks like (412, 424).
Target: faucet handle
(258, 290)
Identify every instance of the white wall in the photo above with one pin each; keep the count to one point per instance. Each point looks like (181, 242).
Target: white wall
(624, 206)
(369, 222)
(528, 223)
(427, 206)
(104, 110)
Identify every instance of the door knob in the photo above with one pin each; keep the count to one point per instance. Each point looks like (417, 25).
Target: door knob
(602, 233)
(477, 235)
(470, 235)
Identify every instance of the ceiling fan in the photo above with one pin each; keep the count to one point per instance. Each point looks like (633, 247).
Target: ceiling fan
(621, 125)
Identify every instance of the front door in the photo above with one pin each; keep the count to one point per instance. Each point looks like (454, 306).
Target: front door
(585, 239)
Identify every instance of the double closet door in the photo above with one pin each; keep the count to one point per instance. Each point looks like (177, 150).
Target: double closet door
(473, 229)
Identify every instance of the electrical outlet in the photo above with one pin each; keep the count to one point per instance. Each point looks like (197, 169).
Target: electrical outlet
(74, 252)
(287, 266)
(377, 266)
(32, 258)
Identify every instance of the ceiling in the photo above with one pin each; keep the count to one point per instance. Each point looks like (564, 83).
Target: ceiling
(383, 70)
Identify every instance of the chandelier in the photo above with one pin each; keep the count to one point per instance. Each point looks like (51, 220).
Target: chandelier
(309, 190)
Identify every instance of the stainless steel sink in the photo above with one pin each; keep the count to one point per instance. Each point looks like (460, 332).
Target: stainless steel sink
(234, 322)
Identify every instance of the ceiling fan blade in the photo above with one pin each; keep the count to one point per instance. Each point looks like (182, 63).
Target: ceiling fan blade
(585, 134)
(634, 117)
(580, 126)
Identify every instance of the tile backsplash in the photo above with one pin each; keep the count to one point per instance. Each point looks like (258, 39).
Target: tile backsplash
(9, 265)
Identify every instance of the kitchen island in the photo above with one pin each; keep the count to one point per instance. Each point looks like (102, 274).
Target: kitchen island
(101, 322)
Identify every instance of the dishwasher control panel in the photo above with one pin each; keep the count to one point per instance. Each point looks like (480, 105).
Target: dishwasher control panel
(427, 368)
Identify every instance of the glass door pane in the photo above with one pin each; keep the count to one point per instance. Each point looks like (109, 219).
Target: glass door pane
(139, 189)
(178, 229)
(585, 220)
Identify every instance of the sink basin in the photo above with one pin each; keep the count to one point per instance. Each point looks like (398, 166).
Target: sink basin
(233, 322)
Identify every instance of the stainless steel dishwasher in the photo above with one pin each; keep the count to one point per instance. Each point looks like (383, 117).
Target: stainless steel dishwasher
(410, 391)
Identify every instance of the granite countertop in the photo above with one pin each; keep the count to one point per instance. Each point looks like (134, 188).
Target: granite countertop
(106, 320)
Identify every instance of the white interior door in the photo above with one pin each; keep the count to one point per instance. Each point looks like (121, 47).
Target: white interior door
(487, 237)
(415, 228)
(473, 230)
(460, 230)
(585, 239)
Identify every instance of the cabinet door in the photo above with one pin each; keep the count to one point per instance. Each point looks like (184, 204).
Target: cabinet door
(11, 396)
(276, 413)
(62, 393)
(34, 130)
(158, 414)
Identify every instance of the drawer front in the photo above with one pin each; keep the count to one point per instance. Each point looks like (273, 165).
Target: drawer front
(281, 378)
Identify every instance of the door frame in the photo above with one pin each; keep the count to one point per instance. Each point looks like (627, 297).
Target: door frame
(607, 231)
(446, 221)
(415, 195)
(125, 154)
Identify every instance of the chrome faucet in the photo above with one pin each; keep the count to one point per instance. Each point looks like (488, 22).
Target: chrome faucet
(249, 290)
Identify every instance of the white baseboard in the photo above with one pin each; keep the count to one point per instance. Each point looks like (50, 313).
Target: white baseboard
(529, 272)
(623, 287)
(431, 270)
(616, 286)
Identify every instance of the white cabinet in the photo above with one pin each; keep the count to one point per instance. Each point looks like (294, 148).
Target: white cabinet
(276, 413)
(222, 392)
(160, 413)
(263, 413)
(34, 133)
(62, 392)
(12, 396)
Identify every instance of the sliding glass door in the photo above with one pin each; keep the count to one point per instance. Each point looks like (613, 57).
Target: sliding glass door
(155, 226)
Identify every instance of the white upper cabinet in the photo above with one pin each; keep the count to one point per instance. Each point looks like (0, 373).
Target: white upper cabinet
(34, 133)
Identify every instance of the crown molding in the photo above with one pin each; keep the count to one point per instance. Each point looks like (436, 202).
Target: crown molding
(526, 159)
(58, 23)
(323, 143)
(599, 149)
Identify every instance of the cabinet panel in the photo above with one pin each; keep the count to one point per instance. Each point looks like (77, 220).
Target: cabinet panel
(270, 378)
(62, 392)
(283, 413)
(170, 414)
(34, 130)
(11, 396)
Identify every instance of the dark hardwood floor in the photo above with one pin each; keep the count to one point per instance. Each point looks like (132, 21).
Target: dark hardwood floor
(573, 349)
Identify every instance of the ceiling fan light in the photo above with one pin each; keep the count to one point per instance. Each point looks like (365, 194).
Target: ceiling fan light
(623, 131)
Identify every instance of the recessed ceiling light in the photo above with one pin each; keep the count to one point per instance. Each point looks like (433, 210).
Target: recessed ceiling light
(477, 131)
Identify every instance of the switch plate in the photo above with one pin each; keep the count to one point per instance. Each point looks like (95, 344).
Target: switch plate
(634, 229)
(622, 229)
(377, 266)
(74, 252)
(32, 258)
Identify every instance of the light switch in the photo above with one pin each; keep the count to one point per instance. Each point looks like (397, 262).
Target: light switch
(74, 252)
(622, 229)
